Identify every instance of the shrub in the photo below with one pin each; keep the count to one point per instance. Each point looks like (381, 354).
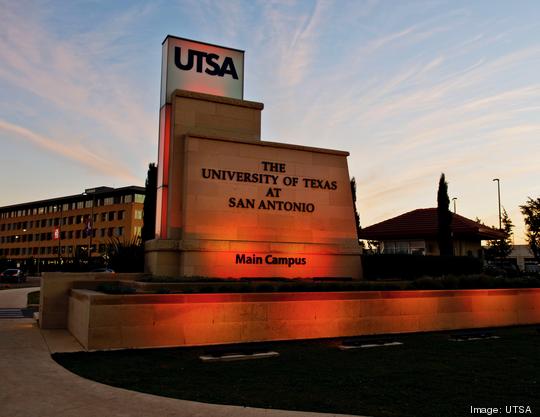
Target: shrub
(126, 256)
(478, 281)
(402, 266)
(115, 289)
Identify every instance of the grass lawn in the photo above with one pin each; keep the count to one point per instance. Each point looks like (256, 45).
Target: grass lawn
(33, 297)
(426, 376)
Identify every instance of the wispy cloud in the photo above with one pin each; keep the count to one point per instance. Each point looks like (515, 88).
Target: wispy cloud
(75, 153)
(74, 78)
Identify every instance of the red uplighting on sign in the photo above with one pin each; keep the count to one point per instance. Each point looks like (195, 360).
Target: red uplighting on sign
(163, 170)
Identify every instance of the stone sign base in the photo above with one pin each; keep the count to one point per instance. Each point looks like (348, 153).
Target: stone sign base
(246, 259)
(232, 205)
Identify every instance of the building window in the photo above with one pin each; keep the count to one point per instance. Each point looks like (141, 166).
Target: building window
(103, 217)
(121, 214)
(80, 204)
(111, 216)
(108, 201)
(138, 214)
(139, 198)
(137, 231)
(417, 247)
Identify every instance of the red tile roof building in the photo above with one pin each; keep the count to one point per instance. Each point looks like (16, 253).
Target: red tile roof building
(416, 232)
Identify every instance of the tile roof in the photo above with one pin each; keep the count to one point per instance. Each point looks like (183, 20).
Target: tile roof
(422, 224)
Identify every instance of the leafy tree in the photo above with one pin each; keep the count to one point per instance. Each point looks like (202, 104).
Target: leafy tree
(356, 215)
(444, 218)
(501, 248)
(148, 231)
(531, 214)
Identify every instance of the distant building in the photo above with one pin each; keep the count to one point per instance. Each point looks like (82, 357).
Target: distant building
(60, 229)
(522, 256)
(415, 232)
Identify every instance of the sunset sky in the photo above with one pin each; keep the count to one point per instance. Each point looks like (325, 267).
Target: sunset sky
(410, 89)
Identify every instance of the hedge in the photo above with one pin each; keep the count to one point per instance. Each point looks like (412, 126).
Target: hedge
(402, 266)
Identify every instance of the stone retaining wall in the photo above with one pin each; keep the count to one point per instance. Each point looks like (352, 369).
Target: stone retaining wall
(102, 321)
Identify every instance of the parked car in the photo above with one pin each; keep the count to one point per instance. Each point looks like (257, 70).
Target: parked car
(12, 275)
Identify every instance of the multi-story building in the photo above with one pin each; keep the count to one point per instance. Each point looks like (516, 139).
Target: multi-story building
(62, 229)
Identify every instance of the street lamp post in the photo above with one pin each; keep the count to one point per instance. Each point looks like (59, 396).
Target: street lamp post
(60, 236)
(499, 199)
(91, 231)
(454, 201)
(17, 237)
(90, 225)
(26, 249)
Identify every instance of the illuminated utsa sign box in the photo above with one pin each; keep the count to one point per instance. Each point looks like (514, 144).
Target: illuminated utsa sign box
(201, 67)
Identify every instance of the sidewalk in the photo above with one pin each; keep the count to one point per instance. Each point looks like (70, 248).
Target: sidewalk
(35, 385)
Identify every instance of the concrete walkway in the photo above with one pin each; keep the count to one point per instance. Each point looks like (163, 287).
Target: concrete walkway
(35, 385)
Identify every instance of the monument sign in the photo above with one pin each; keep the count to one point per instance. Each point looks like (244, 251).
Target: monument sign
(231, 205)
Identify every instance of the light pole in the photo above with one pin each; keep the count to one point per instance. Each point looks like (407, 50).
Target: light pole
(26, 249)
(499, 199)
(454, 201)
(90, 224)
(17, 243)
(59, 207)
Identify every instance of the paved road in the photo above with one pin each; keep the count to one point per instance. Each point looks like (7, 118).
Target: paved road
(33, 385)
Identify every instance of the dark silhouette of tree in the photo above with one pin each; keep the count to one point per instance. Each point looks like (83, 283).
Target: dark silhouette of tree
(356, 215)
(501, 248)
(149, 208)
(126, 256)
(444, 217)
(531, 214)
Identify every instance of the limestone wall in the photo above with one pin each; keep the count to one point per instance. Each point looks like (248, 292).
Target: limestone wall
(54, 294)
(134, 321)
